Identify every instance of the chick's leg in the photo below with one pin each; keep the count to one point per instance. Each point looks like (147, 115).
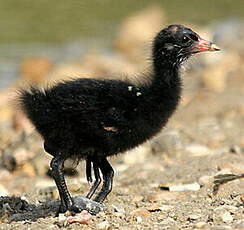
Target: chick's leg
(67, 202)
(89, 170)
(108, 173)
(97, 178)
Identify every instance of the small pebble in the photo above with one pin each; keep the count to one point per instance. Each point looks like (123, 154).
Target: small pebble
(198, 150)
(3, 190)
(223, 214)
(166, 195)
(154, 208)
(103, 226)
(137, 155)
(183, 188)
(137, 198)
(83, 217)
(242, 198)
(118, 211)
(235, 149)
(61, 219)
(193, 217)
(200, 225)
(140, 212)
(166, 207)
(227, 217)
(206, 180)
(138, 219)
(21, 155)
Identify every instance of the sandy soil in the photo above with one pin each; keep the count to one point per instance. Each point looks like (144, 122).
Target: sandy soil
(204, 139)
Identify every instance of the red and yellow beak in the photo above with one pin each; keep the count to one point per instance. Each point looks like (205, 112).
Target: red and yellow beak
(202, 45)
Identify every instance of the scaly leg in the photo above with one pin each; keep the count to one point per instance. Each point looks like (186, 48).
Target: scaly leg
(67, 202)
(88, 170)
(108, 173)
(96, 182)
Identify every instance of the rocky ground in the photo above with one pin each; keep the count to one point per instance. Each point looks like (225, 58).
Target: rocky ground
(188, 177)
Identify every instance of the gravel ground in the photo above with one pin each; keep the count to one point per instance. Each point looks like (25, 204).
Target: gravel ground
(165, 184)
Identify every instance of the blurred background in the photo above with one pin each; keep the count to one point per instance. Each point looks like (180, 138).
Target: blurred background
(65, 31)
(45, 41)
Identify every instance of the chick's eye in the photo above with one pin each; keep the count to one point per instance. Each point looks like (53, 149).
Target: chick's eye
(193, 37)
(185, 39)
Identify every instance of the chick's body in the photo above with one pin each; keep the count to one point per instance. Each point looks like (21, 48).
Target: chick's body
(85, 117)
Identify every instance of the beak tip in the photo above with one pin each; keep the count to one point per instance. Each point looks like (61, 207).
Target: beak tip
(214, 47)
(204, 45)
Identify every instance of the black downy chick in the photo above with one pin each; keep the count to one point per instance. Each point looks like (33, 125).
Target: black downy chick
(94, 118)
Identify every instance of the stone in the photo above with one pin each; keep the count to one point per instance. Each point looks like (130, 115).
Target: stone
(206, 180)
(137, 198)
(105, 225)
(89, 205)
(242, 198)
(215, 78)
(222, 214)
(140, 212)
(83, 217)
(138, 219)
(200, 225)
(4, 173)
(35, 69)
(137, 155)
(193, 217)
(61, 219)
(166, 207)
(137, 30)
(8, 161)
(28, 169)
(181, 187)
(21, 155)
(166, 195)
(185, 187)
(169, 141)
(3, 190)
(198, 150)
(227, 217)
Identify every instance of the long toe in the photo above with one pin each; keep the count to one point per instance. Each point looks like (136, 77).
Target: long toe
(75, 209)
